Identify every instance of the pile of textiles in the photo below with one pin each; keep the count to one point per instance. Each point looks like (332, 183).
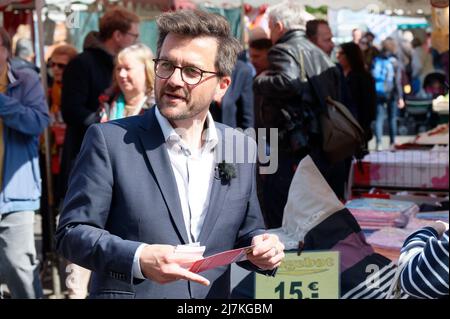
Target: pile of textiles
(388, 241)
(376, 213)
(436, 215)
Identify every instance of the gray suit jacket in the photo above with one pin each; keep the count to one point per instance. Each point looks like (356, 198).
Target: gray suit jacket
(122, 192)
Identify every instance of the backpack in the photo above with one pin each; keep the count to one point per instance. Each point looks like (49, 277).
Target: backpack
(384, 74)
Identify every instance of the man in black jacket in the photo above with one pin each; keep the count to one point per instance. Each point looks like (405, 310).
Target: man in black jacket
(87, 76)
(290, 103)
(318, 31)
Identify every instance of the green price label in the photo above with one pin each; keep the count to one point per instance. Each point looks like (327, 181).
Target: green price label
(312, 275)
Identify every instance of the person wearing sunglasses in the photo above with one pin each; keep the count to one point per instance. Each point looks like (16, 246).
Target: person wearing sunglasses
(61, 56)
(57, 62)
(369, 51)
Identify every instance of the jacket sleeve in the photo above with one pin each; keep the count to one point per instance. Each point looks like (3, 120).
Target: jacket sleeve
(426, 272)
(416, 63)
(398, 78)
(81, 235)
(29, 115)
(253, 224)
(282, 78)
(75, 95)
(247, 100)
(368, 101)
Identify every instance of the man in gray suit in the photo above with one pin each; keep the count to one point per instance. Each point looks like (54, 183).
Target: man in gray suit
(144, 184)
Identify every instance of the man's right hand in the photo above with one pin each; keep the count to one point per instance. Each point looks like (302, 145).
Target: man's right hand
(160, 264)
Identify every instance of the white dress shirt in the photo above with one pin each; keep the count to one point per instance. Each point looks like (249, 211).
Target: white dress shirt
(194, 171)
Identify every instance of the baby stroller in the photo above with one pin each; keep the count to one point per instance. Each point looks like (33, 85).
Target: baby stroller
(435, 85)
(418, 114)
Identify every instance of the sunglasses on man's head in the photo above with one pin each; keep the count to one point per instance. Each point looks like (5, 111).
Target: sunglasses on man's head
(58, 65)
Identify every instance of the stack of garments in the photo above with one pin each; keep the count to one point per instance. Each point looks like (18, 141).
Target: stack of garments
(388, 241)
(432, 216)
(375, 213)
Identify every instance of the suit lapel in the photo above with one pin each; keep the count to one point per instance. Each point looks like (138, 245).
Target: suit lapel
(216, 200)
(154, 145)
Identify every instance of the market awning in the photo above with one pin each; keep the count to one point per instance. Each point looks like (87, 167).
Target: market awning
(19, 3)
(408, 6)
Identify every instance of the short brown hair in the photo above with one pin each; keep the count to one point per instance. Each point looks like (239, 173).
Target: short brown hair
(65, 49)
(196, 23)
(6, 40)
(312, 26)
(116, 19)
(260, 44)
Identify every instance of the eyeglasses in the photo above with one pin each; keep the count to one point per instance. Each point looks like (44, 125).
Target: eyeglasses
(189, 74)
(58, 65)
(135, 35)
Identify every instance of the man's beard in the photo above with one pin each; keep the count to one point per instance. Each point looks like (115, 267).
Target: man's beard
(189, 109)
(181, 92)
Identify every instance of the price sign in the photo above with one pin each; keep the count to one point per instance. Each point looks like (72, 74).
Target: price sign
(312, 275)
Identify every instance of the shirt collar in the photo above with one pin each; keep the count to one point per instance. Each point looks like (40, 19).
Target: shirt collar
(11, 76)
(172, 137)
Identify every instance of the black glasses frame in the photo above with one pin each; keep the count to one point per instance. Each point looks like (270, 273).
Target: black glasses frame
(61, 66)
(181, 71)
(135, 35)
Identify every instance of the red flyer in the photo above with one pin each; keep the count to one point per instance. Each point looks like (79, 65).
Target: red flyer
(221, 259)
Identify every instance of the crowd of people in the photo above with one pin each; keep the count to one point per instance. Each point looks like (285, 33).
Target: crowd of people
(134, 135)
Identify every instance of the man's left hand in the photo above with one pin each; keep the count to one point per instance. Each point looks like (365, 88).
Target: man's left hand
(267, 253)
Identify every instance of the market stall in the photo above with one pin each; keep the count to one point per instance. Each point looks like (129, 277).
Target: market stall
(398, 191)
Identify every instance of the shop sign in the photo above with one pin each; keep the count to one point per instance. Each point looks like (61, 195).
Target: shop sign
(312, 275)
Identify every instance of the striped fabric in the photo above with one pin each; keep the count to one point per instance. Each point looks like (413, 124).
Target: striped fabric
(364, 274)
(426, 273)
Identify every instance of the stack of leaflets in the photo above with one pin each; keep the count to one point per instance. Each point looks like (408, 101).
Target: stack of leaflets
(190, 256)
